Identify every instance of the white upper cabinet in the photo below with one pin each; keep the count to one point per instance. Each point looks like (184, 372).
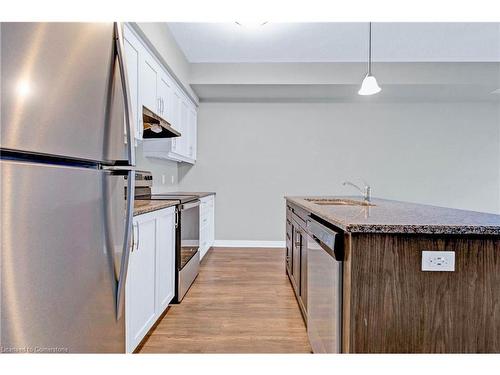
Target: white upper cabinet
(148, 83)
(184, 141)
(164, 97)
(192, 121)
(153, 87)
(132, 56)
(176, 104)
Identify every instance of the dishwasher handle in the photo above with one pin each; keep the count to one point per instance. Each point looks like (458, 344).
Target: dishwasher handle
(328, 239)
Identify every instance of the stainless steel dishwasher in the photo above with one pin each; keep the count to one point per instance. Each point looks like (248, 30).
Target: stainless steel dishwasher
(324, 287)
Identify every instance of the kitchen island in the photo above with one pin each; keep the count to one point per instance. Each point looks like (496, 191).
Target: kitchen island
(386, 302)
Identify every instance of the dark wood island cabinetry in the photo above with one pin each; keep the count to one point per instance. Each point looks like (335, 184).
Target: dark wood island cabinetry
(389, 305)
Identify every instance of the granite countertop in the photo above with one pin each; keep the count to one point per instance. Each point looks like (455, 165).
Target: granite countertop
(388, 216)
(143, 206)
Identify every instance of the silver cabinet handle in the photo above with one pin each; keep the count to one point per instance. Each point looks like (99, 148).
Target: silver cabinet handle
(176, 218)
(120, 52)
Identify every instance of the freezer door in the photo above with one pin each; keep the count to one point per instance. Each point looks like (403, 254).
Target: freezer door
(62, 90)
(62, 239)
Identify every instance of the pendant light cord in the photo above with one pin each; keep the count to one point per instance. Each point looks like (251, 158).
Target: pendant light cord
(370, 50)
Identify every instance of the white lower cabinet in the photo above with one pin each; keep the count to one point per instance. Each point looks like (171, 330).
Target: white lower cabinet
(165, 259)
(151, 273)
(207, 224)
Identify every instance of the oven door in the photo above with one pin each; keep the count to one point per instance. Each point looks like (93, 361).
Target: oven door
(190, 230)
(188, 253)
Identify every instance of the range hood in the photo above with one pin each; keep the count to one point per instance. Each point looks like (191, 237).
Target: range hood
(156, 126)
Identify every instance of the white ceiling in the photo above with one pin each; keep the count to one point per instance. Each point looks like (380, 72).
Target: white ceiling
(338, 42)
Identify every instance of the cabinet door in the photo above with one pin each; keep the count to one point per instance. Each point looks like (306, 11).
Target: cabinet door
(132, 46)
(289, 246)
(297, 243)
(211, 231)
(148, 82)
(164, 94)
(204, 215)
(176, 110)
(165, 258)
(140, 287)
(192, 121)
(185, 137)
(303, 271)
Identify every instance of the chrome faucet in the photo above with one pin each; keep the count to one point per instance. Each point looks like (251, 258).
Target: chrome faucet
(367, 191)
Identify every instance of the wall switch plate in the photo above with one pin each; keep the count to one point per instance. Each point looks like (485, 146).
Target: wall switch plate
(438, 261)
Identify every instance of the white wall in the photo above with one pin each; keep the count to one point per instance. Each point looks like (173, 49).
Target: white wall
(159, 168)
(252, 154)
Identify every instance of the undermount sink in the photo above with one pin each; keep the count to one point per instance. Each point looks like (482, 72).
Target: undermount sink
(338, 202)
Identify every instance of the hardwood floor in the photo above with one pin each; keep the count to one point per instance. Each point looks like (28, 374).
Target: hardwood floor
(241, 302)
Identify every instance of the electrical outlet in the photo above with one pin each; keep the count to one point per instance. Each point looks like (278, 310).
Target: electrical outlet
(438, 261)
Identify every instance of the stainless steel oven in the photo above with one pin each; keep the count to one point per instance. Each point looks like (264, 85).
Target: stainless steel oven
(188, 242)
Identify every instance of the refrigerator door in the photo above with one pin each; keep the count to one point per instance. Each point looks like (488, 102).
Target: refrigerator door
(62, 91)
(63, 237)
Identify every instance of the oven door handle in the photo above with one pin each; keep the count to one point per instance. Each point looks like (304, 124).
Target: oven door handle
(187, 206)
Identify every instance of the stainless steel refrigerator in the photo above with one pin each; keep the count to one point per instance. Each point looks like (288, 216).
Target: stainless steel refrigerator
(66, 187)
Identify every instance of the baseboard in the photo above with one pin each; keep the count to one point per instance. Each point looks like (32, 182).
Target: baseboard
(244, 243)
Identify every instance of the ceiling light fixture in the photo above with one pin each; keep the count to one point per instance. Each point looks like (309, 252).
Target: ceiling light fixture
(369, 86)
(250, 24)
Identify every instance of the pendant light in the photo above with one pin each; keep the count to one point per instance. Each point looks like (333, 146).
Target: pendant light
(369, 86)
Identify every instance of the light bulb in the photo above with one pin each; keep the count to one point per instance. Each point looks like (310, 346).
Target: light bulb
(369, 86)
(155, 128)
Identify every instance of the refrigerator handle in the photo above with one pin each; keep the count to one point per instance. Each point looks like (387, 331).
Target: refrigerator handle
(120, 293)
(120, 51)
